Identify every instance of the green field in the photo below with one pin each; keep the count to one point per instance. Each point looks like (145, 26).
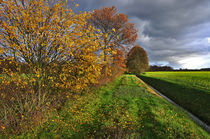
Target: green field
(191, 90)
(125, 108)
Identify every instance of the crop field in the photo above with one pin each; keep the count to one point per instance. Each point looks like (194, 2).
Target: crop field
(191, 90)
(199, 80)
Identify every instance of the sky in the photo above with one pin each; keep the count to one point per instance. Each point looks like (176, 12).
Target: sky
(173, 32)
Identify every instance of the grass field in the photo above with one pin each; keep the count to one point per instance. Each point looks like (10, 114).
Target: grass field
(122, 109)
(191, 90)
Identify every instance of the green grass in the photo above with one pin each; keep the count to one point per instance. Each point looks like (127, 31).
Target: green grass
(122, 109)
(191, 90)
(196, 79)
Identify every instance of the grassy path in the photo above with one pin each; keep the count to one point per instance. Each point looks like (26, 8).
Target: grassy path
(122, 109)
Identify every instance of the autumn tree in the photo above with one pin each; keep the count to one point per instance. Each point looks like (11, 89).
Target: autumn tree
(137, 60)
(55, 44)
(50, 39)
(116, 29)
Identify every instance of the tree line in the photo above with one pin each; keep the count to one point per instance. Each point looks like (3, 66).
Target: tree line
(168, 68)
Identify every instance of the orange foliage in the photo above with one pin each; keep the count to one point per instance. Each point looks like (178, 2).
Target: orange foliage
(118, 64)
(55, 47)
(55, 43)
(117, 33)
(116, 27)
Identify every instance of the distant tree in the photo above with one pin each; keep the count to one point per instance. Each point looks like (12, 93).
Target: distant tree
(116, 29)
(205, 69)
(137, 60)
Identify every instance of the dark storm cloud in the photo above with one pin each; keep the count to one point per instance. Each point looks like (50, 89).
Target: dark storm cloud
(169, 30)
(171, 17)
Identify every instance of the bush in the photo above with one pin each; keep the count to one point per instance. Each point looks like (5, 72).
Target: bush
(21, 108)
(56, 50)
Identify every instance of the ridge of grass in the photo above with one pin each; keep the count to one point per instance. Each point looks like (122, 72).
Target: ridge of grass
(121, 109)
(184, 88)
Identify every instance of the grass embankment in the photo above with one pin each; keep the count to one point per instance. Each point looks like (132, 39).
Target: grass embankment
(191, 90)
(122, 109)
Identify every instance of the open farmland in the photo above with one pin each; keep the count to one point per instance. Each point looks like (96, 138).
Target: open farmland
(191, 90)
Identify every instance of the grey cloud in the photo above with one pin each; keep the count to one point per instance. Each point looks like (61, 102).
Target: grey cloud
(168, 29)
(172, 17)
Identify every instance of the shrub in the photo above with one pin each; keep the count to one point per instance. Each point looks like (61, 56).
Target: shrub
(56, 50)
(21, 108)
